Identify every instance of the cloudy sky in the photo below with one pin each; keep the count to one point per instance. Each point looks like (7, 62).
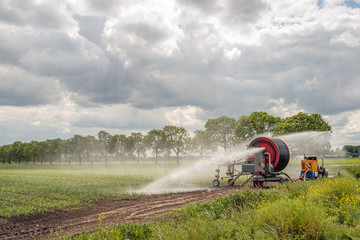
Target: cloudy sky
(79, 66)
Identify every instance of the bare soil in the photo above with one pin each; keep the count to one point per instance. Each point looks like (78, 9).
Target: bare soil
(116, 210)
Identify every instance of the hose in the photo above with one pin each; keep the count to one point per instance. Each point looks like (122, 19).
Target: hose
(301, 175)
(287, 176)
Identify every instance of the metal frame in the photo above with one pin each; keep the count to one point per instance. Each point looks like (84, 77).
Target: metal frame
(259, 170)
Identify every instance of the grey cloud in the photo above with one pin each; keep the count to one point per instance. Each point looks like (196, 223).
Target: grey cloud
(29, 13)
(104, 6)
(91, 27)
(196, 72)
(148, 33)
(208, 6)
(243, 11)
(20, 88)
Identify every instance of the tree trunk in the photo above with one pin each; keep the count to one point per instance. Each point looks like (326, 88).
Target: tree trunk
(156, 156)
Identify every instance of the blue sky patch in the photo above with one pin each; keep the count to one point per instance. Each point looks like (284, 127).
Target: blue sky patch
(352, 4)
(321, 3)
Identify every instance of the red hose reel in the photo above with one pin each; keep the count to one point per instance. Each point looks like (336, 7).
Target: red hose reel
(278, 150)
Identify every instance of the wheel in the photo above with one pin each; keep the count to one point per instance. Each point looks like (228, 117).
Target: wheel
(230, 181)
(258, 184)
(216, 183)
(284, 180)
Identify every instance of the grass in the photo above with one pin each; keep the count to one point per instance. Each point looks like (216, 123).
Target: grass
(323, 209)
(28, 189)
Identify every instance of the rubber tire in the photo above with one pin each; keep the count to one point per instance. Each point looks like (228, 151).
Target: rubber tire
(216, 183)
(230, 181)
(261, 184)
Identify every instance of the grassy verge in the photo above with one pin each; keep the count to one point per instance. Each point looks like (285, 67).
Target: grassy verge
(353, 170)
(322, 209)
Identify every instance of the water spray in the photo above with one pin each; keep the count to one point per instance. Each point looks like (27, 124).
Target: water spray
(175, 181)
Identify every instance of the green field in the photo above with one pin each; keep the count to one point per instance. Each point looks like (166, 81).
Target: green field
(323, 209)
(26, 189)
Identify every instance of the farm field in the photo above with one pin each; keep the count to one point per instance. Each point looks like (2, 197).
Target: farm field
(32, 190)
(29, 189)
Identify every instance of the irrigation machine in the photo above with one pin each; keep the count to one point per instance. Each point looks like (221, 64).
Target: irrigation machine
(267, 165)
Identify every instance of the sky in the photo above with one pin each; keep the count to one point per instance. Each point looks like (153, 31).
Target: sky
(81, 66)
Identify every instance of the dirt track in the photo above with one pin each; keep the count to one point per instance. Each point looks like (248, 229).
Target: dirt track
(71, 221)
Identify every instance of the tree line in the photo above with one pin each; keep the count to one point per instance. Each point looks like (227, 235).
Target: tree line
(352, 151)
(223, 132)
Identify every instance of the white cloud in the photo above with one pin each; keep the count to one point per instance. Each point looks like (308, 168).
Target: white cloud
(36, 123)
(184, 116)
(346, 38)
(346, 128)
(232, 54)
(82, 65)
(278, 107)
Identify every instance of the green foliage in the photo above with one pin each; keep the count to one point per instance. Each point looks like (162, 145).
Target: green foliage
(174, 138)
(293, 219)
(302, 122)
(202, 142)
(154, 140)
(326, 209)
(352, 151)
(261, 122)
(354, 170)
(135, 144)
(221, 131)
(291, 211)
(129, 231)
(254, 124)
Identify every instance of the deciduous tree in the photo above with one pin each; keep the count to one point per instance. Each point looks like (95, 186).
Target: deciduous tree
(203, 142)
(221, 131)
(175, 139)
(104, 139)
(254, 124)
(302, 122)
(154, 140)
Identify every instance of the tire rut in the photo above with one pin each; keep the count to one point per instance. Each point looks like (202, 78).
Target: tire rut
(115, 210)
